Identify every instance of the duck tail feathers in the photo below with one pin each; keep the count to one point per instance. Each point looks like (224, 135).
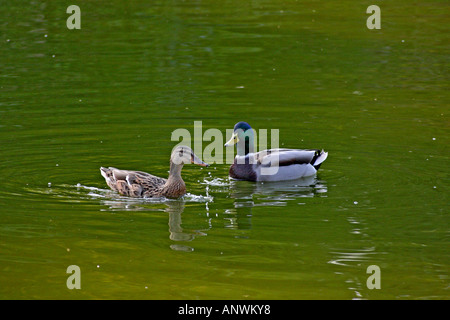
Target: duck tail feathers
(104, 172)
(107, 173)
(320, 157)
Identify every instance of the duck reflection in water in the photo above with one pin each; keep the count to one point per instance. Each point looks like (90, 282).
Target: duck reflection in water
(177, 233)
(174, 207)
(249, 194)
(237, 215)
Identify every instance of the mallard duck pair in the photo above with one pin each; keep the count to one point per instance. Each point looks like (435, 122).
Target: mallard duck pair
(266, 165)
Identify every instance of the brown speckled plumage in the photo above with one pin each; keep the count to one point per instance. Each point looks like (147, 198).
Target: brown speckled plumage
(140, 184)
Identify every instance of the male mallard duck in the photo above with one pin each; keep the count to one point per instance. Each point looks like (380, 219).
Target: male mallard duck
(141, 184)
(273, 164)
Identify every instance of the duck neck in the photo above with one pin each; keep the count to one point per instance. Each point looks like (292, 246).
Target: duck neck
(247, 144)
(175, 172)
(175, 186)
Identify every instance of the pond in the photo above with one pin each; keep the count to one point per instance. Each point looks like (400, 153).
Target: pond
(113, 92)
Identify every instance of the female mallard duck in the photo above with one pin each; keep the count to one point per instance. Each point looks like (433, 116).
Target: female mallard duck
(273, 164)
(141, 184)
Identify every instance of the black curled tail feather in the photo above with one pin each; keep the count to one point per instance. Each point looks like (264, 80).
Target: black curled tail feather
(319, 157)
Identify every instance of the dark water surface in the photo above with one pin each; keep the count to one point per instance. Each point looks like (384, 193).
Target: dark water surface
(112, 93)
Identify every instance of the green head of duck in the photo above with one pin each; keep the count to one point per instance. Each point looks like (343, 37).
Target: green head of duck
(243, 137)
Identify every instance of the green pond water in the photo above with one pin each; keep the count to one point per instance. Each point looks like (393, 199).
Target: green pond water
(112, 93)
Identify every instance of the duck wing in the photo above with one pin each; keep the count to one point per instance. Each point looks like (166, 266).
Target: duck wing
(132, 183)
(287, 157)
